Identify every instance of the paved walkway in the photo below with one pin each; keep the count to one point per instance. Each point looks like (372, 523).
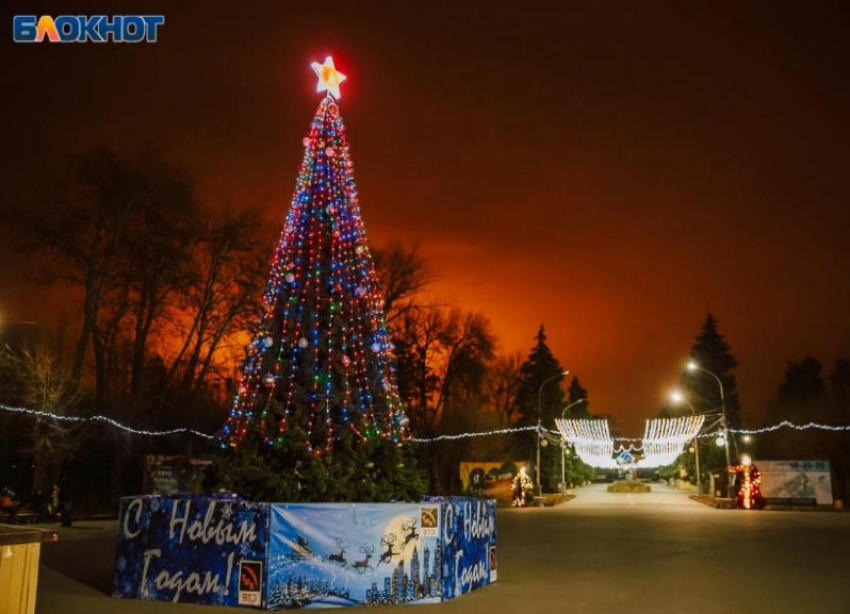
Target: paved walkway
(658, 553)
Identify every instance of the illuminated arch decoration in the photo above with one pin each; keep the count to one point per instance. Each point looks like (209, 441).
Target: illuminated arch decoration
(591, 439)
(665, 439)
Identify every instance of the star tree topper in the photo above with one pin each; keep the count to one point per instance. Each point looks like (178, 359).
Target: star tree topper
(329, 77)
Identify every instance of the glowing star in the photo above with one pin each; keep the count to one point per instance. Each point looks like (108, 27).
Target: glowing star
(329, 77)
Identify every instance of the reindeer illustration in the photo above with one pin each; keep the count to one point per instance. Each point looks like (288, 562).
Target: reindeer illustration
(363, 565)
(387, 541)
(339, 558)
(412, 533)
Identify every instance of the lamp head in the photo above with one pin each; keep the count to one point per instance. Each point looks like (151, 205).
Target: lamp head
(691, 366)
(677, 397)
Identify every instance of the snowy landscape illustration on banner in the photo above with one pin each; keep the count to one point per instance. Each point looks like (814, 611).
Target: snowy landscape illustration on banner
(349, 554)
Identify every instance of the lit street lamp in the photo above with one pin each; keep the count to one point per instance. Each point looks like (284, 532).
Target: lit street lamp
(564, 447)
(568, 407)
(693, 367)
(540, 428)
(677, 398)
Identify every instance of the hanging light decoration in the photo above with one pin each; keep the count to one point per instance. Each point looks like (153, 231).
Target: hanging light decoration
(591, 440)
(665, 438)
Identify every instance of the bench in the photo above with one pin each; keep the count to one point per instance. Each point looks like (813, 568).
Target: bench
(19, 517)
(791, 502)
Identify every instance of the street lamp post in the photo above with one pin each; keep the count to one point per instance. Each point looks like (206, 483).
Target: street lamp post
(540, 428)
(564, 448)
(678, 397)
(694, 367)
(563, 467)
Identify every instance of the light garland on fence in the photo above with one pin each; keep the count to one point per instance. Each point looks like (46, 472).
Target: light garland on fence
(106, 420)
(665, 439)
(591, 439)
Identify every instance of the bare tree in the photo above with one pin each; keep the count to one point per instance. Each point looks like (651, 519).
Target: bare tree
(503, 381)
(35, 377)
(117, 228)
(468, 347)
(160, 254)
(404, 274)
(221, 300)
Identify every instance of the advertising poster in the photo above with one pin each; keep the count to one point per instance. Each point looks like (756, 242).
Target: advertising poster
(173, 474)
(490, 479)
(346, 554)
(191, 549)
(796, 480)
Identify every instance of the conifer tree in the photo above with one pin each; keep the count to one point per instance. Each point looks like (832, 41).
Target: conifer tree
(712, 352)
(541, 367)
(317, 413)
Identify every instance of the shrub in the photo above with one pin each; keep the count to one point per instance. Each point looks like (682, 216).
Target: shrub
(629, 486)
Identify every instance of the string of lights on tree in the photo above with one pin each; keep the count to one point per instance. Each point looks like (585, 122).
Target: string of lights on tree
(320, 358)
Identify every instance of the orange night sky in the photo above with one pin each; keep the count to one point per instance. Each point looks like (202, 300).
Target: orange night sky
(613, 170)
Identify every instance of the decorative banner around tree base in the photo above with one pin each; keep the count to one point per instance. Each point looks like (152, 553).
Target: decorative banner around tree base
(223, 551)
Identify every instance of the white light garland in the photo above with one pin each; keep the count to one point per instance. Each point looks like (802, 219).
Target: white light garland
(516, 429)
(665, 438)
(631, 448)
(105, 420)
(467, 435)
(591, 439)
(791, 425)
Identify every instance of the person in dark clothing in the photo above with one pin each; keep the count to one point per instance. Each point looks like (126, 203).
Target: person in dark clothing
(65, 502)
(38, 504)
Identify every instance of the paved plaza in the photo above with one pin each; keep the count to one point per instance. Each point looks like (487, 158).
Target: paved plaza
(600, 553)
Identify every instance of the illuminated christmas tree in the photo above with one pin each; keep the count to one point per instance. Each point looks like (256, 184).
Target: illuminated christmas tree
(320, 363)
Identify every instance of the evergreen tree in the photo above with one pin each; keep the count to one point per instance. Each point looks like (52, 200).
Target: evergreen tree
(317, 414)
(541, 367)
(839, 384)
(576, 393)
(802, 387)
(712, 353)
(575, 471)
(801, 398)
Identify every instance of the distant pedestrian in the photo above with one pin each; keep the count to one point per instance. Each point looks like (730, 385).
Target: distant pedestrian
(38, 504)
(64, 502)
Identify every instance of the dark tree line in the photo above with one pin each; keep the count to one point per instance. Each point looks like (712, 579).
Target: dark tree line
(156, 287)
(158, 290)
(808, 394)
(805, 395)
(453, 380)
